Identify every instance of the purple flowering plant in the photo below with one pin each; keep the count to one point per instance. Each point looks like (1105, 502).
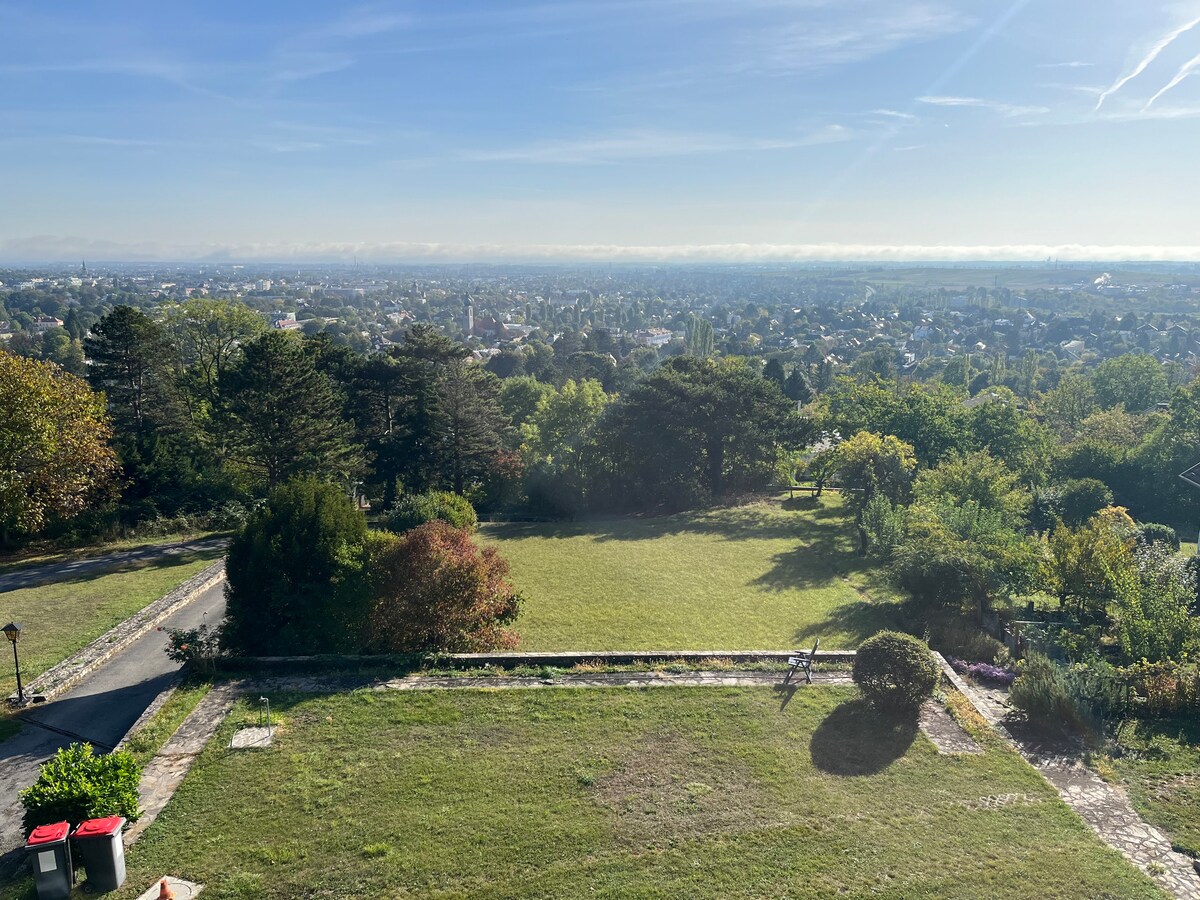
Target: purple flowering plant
(982, 671)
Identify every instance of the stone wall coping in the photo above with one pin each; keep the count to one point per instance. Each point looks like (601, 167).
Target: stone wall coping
(542, 658)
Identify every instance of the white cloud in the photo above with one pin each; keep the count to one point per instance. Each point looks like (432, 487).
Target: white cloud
(1156, 48)
(46, 248)
(647, 144)
(1072, 64)
(892, 113)
(1184, 71)
(1004, 109)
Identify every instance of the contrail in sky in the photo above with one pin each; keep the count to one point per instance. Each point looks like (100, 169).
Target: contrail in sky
(1165, 41)
(1184, 71)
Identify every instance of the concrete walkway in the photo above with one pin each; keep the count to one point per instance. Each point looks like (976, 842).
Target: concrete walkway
(67, 570)
(1105, 807)
(100, 709)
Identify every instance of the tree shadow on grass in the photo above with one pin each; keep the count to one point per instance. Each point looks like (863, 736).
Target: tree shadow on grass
(1182, 728)
(858, 621)
(820, 560)
(856, 739)
(825, 520)
(84, 571)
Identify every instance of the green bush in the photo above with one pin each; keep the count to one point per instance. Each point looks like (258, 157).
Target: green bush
(289, 570)
(1154, 533)
(1042, 693)
(1081, 498)
(76, 784)
(412, 510)
(895, 671)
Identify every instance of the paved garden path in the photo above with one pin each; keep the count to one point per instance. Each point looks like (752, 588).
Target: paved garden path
(1105, 807)
(99, 709)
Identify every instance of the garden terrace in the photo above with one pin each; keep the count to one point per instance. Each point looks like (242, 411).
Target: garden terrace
(702, 792)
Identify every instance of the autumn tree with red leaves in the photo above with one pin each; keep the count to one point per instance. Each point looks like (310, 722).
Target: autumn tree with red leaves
(434, 589)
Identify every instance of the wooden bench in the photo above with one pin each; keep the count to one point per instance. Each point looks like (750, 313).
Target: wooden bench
(811, 489)
(802, 662)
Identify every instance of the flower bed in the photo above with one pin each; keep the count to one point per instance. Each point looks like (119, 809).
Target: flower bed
(984, 672)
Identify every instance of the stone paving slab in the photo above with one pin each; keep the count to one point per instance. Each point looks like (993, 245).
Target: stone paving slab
(944, 732)
(1105, 807)
(253, 738)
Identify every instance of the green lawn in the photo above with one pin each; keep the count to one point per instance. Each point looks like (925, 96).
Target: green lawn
(1160, 766)
(146, 742)
(669, 792)
(58, 619)
(768, 575)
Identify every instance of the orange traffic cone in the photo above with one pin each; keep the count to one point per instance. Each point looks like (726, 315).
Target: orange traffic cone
(164, 891)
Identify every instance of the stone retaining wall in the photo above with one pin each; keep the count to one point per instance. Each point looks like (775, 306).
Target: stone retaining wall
(558, 659)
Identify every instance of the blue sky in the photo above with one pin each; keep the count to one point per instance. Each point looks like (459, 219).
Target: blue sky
(625, 129)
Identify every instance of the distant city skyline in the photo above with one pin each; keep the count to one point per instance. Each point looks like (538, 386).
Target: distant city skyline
(627, 130)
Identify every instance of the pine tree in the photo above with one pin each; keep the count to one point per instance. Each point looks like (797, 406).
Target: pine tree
(797, 386)
(773, 371)
(129, 357)
(284, 417)
(470, 426)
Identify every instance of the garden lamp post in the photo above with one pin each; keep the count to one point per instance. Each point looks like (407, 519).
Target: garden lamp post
(12, 631)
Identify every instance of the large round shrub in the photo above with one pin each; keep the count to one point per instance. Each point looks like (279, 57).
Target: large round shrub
(434, 589)
(412, 510)
(1081, 498)
(895, 671)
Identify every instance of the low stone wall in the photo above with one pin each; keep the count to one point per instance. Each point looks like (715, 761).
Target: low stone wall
(78, 666)
(558, 659)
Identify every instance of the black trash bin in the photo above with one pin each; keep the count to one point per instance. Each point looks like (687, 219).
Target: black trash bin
(50, 857)
(101, 852)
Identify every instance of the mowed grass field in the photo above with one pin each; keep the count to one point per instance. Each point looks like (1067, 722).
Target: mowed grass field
(769, 575)
(665, 792)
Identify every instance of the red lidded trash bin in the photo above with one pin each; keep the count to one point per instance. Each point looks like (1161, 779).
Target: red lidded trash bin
(50, 857)
(101, 852)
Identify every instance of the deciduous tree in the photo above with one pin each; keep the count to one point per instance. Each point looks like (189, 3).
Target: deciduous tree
(54, 444)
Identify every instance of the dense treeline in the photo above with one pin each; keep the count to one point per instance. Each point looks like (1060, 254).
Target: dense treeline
(210, 408)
